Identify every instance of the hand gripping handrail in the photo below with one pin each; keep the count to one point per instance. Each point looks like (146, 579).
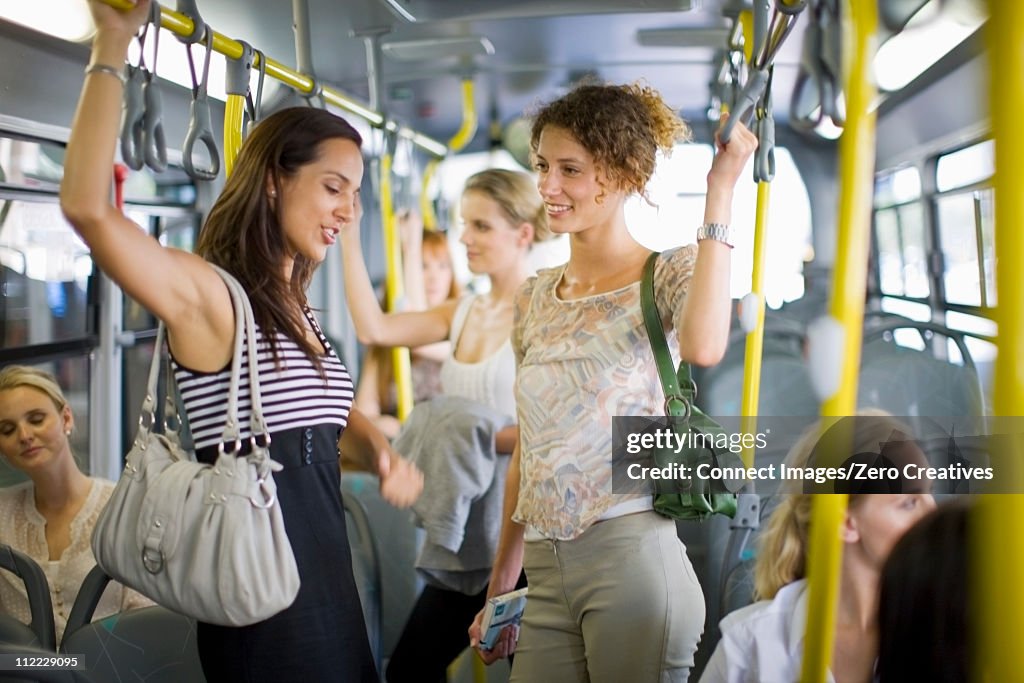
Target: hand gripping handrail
(183, 25)
(783, 20)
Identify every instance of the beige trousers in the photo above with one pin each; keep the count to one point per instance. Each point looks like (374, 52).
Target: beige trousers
(619, 604)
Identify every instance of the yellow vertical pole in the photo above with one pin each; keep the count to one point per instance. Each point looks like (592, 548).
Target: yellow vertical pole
(856, 166)
(234, 112)
(998, 544)
(393, 286)
(755, 338)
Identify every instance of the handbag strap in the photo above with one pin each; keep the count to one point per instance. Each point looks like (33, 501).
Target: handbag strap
(245, 329)
(677, 384)
(245, 326)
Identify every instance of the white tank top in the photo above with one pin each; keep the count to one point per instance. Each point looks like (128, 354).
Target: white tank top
(490, 382)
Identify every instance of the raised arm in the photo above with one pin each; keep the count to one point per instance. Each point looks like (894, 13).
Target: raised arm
(704, 332)
(373, 325)
(179, 288)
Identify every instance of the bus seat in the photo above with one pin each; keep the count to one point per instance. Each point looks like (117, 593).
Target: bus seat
(913, 382)
(785, 381)
(152, 644)
(41, 632)
(397, 541)
(366, 568)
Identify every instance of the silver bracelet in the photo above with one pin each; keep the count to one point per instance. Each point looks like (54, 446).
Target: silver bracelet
(106, 69)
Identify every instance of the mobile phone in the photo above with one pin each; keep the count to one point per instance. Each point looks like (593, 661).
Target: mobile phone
(501, 611)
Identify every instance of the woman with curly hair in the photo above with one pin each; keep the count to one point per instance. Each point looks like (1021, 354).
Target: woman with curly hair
(613, 596)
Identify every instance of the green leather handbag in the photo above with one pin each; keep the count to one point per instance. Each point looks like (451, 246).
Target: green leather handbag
(682, 498)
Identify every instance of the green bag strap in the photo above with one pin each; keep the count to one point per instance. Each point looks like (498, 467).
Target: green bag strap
(677, 384)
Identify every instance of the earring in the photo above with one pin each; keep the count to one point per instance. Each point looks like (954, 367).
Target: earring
(67, 432)
(273, 193)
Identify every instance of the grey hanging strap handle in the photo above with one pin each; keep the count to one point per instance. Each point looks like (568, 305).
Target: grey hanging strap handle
(153, 140)
(200, 126)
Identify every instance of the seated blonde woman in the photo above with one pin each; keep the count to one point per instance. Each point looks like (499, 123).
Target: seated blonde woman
(51, 517)
(763, 642)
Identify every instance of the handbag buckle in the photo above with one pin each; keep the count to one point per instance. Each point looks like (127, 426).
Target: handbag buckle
(675, 400)
(236, 446)
(269, 498)
(152, 560)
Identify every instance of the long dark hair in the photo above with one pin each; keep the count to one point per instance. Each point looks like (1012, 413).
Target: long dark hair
(243, 232)
(923, 608)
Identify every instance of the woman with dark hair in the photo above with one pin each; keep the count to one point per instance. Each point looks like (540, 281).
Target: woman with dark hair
(608, 576)
(295, 185)
(923, 623)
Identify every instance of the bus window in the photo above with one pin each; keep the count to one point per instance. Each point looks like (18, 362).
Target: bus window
(899, 234)
(677, 194)
(965, 166)
(958, 239)
(44, 276)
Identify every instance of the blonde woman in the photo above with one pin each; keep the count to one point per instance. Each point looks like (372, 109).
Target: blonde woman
(503, 217)
(50, 518)
(764, 641)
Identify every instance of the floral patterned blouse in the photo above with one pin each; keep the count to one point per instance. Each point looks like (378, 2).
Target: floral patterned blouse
(24, 529)
(581, 362)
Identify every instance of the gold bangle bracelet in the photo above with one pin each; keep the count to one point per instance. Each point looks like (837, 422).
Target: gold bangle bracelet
(106, 69)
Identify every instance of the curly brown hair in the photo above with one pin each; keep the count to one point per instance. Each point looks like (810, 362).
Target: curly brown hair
(621, 126)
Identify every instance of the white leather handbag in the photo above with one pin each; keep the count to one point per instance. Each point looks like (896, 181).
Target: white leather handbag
(207, 541)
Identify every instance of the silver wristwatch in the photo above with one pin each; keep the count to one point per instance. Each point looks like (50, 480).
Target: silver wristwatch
(714, 231)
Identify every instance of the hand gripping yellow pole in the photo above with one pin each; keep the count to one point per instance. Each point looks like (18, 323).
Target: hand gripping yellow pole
(232, 49)
(997, 538)
(856, 164)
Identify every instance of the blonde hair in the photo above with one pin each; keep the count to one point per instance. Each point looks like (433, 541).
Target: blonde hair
(517, 196)
(14, 376)
(622, 126)
(782, 552)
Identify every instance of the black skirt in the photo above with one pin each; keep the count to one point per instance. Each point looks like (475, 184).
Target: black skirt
(322, 636)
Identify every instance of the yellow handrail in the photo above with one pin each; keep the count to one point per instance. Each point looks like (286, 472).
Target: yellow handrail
(998, 538)
(232, 49)
(461, 138)
(234, 115)
(401, 363)
(755, 338)
(856, 165)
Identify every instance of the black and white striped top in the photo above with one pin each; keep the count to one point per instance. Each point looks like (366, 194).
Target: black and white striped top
(294, 396)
